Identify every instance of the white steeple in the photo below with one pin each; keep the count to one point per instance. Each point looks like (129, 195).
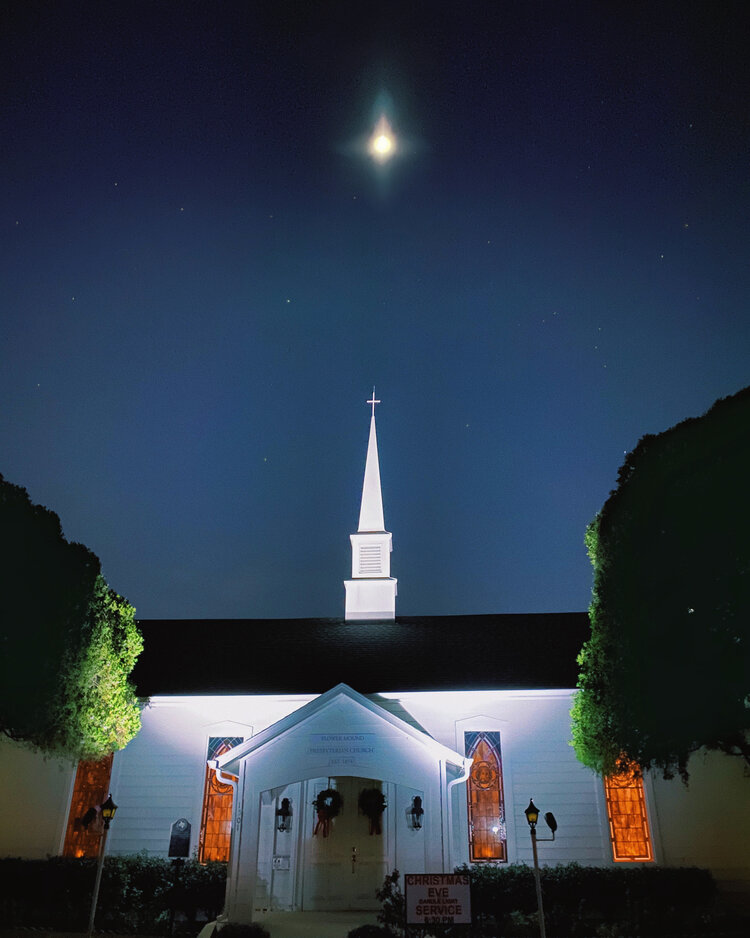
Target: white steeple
(371, 593)
(371, 511)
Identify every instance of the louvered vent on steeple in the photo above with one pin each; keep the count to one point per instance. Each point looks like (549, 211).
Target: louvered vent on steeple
(369, 560)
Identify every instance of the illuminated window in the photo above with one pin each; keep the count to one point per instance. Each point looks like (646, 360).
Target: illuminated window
(628, 820)
(91, 788)
(216, 817)
(487, 836)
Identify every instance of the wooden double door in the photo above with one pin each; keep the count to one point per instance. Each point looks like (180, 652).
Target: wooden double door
(344, 869)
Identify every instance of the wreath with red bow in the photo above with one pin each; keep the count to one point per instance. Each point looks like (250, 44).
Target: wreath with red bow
(328, 806)
(372, 804)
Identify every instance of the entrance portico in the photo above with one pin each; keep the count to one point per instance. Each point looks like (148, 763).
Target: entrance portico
(346, 743)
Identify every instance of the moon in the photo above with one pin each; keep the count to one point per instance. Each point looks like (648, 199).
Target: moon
(382, 143)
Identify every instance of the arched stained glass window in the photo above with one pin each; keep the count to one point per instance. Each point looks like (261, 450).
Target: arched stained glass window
(628, 820)
(216, 817)
(486, 802)
(84, 830)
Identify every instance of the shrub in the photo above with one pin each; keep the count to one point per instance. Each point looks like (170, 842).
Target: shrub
(647, 900)
(242, 931)
(394, 905)
(370, 931)
(138, 894)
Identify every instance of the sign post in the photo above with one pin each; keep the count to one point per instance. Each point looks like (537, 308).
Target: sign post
(437, 898)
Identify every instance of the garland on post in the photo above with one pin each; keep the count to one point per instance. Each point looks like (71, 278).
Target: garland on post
(372, 804)
(328, 806)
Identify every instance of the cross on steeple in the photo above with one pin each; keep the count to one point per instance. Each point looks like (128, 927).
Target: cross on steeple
(373, 401)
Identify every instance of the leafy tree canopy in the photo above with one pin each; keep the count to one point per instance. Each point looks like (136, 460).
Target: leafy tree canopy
(67, 641)
(667, 668)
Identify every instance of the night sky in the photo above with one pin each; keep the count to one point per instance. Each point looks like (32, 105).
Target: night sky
(204, 273)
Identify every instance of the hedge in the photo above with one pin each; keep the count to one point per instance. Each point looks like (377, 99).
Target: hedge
(641, 900)
(581, 901)
(138, 894)
(149, 895)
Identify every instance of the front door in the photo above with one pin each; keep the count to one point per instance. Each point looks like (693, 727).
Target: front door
(344, 868)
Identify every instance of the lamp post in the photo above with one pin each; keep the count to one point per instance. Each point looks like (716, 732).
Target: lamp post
(108, 809)
(532, 816)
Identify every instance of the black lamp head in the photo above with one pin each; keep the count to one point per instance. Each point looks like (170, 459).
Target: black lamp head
(532, 813)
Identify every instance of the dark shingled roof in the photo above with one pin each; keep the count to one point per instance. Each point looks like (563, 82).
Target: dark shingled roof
(300, 656)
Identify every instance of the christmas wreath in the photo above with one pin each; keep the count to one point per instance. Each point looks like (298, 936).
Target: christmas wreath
(372, 804)
(328, 806)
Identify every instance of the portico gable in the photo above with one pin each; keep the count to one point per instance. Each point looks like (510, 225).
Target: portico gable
(339, 735)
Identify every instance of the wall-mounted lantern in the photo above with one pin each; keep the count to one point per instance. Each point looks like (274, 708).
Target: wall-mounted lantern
(416, 813)
(284, 815)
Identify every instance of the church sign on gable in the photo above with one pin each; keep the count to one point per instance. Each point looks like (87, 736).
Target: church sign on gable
(433, 898)
(343, 748)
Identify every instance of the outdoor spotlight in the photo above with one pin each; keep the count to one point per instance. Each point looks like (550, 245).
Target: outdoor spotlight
(532, 814)
(108, 810)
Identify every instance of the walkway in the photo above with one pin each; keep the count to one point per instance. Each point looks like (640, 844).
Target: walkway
(313, 924)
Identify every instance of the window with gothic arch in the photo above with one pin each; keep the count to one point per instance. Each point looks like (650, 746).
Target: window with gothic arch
(486, 801)
(216, 816)
(628, 818)
(90, 789)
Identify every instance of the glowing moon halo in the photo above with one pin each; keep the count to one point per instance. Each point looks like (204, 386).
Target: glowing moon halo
(382, 144)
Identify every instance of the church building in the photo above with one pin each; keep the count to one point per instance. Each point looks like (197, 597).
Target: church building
(317, 755)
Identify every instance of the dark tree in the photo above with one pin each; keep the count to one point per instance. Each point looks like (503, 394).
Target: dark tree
(67, 642)
(667, 668)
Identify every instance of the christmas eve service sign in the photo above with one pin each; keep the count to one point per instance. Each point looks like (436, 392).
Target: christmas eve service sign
(443, 898)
